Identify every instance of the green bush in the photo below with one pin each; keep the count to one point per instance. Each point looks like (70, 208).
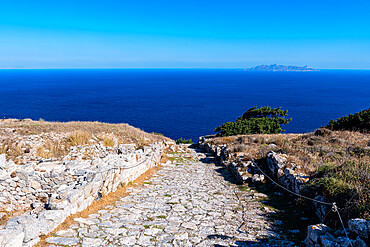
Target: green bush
(347, 185)
(184, 141)
(359, 121)
(263, 120)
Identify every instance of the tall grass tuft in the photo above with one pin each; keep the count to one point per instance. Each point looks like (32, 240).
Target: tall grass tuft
(79, 138)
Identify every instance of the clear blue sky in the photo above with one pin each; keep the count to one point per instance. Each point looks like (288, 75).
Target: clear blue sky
(203, 34)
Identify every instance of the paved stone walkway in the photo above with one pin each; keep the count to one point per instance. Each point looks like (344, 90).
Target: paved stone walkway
(186, 203)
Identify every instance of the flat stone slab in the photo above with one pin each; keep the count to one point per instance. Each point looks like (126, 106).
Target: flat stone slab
(63, 241)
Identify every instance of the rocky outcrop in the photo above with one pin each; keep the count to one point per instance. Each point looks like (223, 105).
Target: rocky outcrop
(241, 166)
(322, 235)
(56, 190)
(360, 227)
(286, 172)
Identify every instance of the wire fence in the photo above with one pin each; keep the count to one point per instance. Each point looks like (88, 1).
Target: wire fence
(333, 205)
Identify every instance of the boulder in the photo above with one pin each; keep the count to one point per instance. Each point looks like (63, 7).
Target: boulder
(258, 178)
(359, 243)
(321, 210)
(50, 219)
(313, 234)
(275, 162)
(11, 238)
(3, 163)
(27, 224)
(361, 227)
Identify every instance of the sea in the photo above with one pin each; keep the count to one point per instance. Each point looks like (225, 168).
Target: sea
(185, 103)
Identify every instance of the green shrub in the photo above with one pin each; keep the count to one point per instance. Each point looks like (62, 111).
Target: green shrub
(359, 121)
(264, 120)
(347, 185)
(184, 141)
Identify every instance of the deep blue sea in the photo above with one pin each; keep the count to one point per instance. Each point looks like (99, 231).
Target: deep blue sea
(181, 102)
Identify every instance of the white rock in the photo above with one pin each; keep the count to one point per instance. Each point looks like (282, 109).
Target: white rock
(62, 241)
(11, 238)
(189, 225)
(85, 221)
(66, 233)
(178, 208)
(182, 236)
(50, 219)
(90, 242)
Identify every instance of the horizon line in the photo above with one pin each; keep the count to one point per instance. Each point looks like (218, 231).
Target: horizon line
(61, 68)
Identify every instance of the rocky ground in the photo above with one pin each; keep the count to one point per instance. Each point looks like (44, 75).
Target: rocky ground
(188, 202)
(32, 151)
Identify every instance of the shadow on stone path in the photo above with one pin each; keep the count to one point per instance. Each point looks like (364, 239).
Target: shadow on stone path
(188, 202)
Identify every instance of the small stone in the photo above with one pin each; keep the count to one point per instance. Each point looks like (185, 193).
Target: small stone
(179, 208)
(182, 236)
(189, 225)
(87, 242)
(128, 240)
(67, 233)
(35, 185)
(85, 221)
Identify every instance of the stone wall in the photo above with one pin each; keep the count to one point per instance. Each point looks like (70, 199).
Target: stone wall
(56, 190)
(241, 166)
(245, 169)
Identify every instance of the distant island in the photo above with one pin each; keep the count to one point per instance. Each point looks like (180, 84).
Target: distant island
(277, 67)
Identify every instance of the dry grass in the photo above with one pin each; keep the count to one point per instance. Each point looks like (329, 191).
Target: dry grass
(108, 142)
(337, 161)
(13, 131)
(29, 127)
(309, 151)
(79, 137)
(53, 148)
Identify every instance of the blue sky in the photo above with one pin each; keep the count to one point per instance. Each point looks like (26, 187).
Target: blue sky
(195, 34)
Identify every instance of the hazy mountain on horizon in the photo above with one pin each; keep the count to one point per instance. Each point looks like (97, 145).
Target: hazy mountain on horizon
(277, 67)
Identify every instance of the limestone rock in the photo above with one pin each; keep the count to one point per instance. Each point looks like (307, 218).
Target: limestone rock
(62, 241)
(50, 219)
(28, 224)
(313, 234)
(11, 238)
(361, 227)
(359, 243)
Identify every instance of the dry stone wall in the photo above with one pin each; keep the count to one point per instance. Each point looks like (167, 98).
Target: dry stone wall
(56, 190)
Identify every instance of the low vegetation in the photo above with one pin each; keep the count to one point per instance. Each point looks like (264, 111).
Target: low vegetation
(337, 158)
(42, 139)
(184, 141)
(263, 120)
(346, 184)
(359, 121)
(338, 162)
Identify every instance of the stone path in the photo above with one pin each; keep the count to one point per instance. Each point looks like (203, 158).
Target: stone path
(185, 203)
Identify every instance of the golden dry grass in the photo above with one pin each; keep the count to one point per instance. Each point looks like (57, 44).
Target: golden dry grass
(68, 134)
(310, 150)
(79, 137)
(108, 142)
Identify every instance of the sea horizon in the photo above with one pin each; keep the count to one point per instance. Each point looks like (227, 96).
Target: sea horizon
(178, 103)
(236, 68)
